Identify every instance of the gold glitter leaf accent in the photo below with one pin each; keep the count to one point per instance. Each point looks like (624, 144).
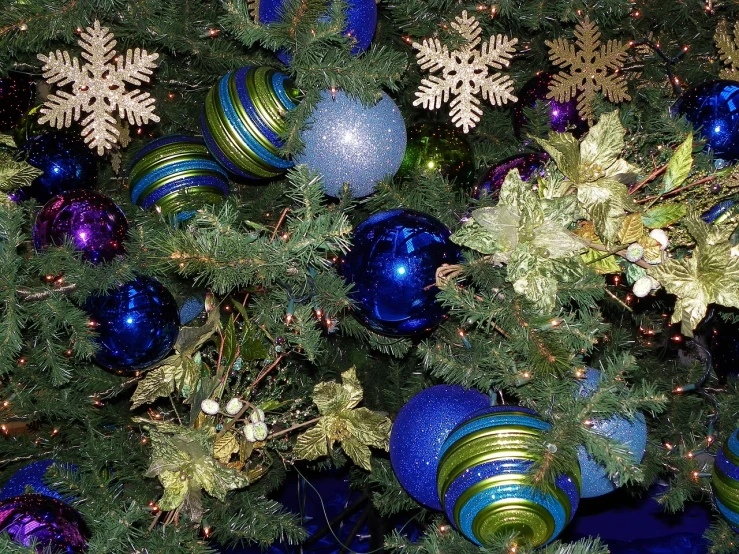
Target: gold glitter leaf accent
(591, 66)
(728, 49)
(98, 88)
(465, 73)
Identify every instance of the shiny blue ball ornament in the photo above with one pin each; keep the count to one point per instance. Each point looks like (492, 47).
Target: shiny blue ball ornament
(392, 265)
(361, 20)
(347, 142)
(713, 108)
(633, 434)
(137, 324)
(67, 164)
(31, 476)
(419, 431)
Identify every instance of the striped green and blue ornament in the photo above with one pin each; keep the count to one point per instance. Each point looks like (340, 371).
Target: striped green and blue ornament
(177, 174)
(725, 480)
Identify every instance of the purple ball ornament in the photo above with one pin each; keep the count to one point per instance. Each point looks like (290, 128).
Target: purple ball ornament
(94, 224)
(52, 525)
(419, 431)
(529, 167)
(563, 116)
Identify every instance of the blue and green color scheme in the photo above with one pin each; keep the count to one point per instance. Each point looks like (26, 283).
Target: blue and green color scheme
(178, 175)
(726, 480)
(243, 119)
(482, 481)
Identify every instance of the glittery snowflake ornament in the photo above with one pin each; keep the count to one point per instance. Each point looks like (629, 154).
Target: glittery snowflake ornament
(727, 44)
(465, 73)
(98, 88)
(589, 67)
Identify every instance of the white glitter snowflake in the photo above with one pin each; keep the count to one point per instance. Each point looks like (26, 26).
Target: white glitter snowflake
(465, 73)
(98, 88)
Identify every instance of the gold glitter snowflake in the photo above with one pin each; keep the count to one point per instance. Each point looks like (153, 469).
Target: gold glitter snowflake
(98, 88)
(591, 66)
(465, 73)
(728, 49)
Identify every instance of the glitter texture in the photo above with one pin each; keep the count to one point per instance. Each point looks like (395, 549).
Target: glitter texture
(633, 434)
(91, 221)
(347, 142)
(51, 523)
(31, 476)
(713, 109)
(419, 431)
(392, 265)
(137, 324)
(482, 479)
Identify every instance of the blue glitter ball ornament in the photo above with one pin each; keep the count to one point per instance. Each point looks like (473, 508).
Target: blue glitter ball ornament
(51, 525)
(713, 107)
(91, 221)
(137, 324)
(725, 480)
(529, 167)
(347, 142)
(392, 265)
(361, 20)
(243, 118)
(419, 431)
(482, 481)
(177, 175)
(67, 164)
(31, 476)
(633, 434)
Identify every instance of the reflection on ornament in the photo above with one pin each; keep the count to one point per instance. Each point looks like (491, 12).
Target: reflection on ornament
(561, 117)
(633, 434)
(419, 431)
(713, 109)
(392, 265)
(178, 175)
(49, 523)
(439, 147)
(361, 20)
(66, 162)
(243, 118)
(91, 221)
(725, 480)
(482, 479)
(529, 167)
(347, 142)
(137, 324)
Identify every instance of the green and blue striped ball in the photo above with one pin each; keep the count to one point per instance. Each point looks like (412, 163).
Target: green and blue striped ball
(482, 479)
(178, 175)
(243, 118)
(726, 480)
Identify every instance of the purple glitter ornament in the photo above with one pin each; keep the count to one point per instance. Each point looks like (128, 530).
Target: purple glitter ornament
(53, 525)
(94, 224)
(529, 167)
(563, 116)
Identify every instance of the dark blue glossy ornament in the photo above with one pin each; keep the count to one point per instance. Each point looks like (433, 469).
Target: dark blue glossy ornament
(529, 167)
(632, 434)
(361, 20)
(718, 212)
(31, 476)
(67, 163)
(419, 431)
(52, 525)
(137, 324)
(392, 265)
(91, 221)
(562, 117)
(713, 109)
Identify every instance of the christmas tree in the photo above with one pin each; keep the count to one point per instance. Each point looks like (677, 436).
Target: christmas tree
(483, 255)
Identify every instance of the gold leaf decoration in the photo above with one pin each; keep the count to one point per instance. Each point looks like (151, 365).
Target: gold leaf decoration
(98, 88)
(465, 73)
(588, 67)
(727, 44)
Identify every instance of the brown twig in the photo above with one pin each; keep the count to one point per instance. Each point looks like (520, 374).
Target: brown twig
(293, 428)
(617, 299)
(154, 521)
(30, 296)
(237, 417)
(678, 190)
(279, 223)
(651, 177)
